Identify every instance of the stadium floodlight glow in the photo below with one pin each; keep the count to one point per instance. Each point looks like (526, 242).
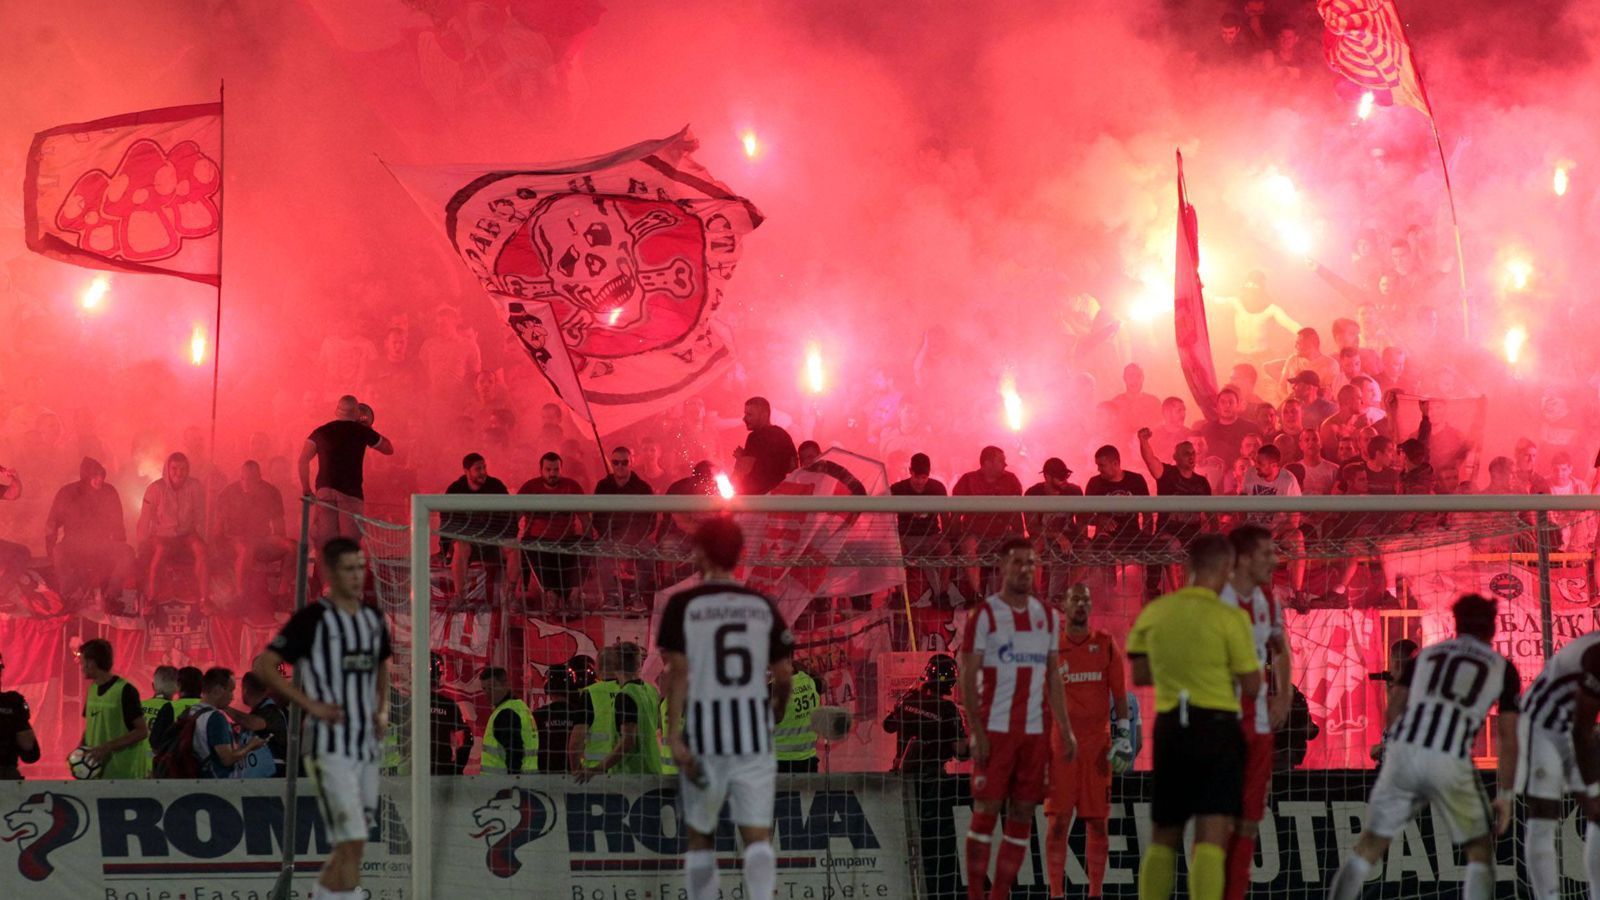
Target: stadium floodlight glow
(1365, 104)
(197, 345)
(1012, 402)
(724, 486)
(93, 297)
(815, 377)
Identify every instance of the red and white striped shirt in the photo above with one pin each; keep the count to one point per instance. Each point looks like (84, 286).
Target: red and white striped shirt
(1015, 646)
(1266, 622)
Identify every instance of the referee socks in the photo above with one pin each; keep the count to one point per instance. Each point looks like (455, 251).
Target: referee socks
(1208, 872)
(1158, 872)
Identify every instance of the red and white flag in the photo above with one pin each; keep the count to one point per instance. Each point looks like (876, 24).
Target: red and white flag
(795, 557)
(1366, 43)
(139, 192)
(1189, 308)
(610, 270)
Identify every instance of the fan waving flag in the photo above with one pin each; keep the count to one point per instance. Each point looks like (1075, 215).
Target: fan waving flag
(1366, 43)
(139, 192)
(1189, 308)
(609, 270)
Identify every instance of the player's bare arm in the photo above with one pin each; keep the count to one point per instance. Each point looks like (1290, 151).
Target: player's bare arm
(1505, 770)
(1140, 664)
(266, 669)
(1057, 698)
(978, 736)
(677, 689)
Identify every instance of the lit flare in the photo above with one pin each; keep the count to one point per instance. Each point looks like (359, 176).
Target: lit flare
(94, 295)
(724, 486)
(197, 345)
(815, 379)
(1012, 401)
(1516, 339)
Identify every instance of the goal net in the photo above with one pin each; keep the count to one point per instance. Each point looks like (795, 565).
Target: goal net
(874, 587)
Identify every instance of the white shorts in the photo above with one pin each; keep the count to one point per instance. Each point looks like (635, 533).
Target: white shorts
(1547, 766)
(1410, 776)
(347, 795)
(745, 782)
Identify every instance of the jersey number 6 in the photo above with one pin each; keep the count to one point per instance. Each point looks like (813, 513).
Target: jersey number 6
(727, 654)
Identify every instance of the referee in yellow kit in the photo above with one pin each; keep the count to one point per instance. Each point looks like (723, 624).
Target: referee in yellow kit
(1196, 650)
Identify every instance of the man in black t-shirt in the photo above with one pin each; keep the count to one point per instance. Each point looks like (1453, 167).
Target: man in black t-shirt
(253, 691)
(922, 535)
(1114, 481)
(1224, 433)
(17, 741)
(768, 454)
(1054, 535)
(1173, 531)
(340, 449)
(475, 479)
(625, 531)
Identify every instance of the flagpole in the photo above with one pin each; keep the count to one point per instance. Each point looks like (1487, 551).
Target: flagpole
(1444, 168)
(216, 330)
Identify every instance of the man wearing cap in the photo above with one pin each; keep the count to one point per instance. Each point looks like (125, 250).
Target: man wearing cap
(922, 535)
(1307, 357)
(1306, 386)
(1054, 533)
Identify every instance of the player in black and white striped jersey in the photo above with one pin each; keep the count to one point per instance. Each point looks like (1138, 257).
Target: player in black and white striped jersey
(1435, 711)
(721, 639)
(341, 650)
(1559, 757)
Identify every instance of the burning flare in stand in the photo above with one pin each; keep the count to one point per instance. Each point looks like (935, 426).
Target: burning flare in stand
(1561, 180)
(751, 146)
(1012, 401)
(815, 381)
(1516, 339)
(724, 486)
(197, 345)
(94, 295)
(1364, 106)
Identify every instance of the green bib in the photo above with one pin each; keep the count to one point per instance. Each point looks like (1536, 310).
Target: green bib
(646, 756)
(152, 711)
(494, 753)
(603, 730)
(103, 722)
(795, 738)
(665, 747)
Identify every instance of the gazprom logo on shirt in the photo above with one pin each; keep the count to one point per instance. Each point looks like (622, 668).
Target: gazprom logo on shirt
(1013, 657)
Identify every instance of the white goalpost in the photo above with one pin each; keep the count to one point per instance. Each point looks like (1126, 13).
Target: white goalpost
(872, 603)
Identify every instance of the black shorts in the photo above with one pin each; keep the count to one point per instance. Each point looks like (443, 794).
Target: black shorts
(1198, 768)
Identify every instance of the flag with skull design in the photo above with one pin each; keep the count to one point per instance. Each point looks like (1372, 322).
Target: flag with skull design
(609, 270)
(139, 192)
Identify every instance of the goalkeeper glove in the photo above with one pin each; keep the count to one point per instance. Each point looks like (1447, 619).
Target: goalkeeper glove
(1121, 747)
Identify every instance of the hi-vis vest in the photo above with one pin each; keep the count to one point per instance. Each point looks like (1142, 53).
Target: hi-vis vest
(494, 754)
(103, 722)
(152, 711)
(603, 730)
(665, 745)
(795, 739)
(646, 756)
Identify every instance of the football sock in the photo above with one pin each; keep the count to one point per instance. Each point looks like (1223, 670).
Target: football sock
(760, 870)
(1055, 853)
(1158, 872)
(979, 835)
(1352, 875)
(1096, 850)
(1207, 872)
(1241, 852)
(1013, 850)
(1479, 882)
(1539, 855)
(700, 871)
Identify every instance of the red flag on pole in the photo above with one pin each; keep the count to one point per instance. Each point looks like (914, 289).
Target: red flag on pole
(139, 192)
(1189, 308)
(610, 269)
(1366, 43)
